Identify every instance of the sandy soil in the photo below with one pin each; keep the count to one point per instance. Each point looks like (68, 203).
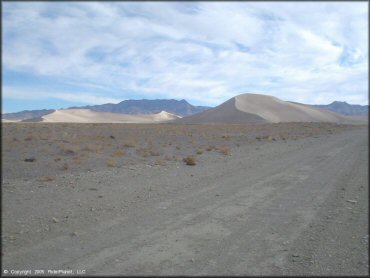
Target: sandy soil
(117, 199)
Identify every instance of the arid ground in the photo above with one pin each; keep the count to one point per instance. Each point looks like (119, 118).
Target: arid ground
(121, 199)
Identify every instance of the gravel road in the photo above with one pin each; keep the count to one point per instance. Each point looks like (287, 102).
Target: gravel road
(278, 208)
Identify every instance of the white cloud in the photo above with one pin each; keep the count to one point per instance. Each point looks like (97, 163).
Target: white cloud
(204, 52)
(26, 93)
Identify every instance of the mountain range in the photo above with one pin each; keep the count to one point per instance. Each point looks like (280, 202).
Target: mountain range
(145, 106)
(180, 108)
(132, 107)
(344, 108)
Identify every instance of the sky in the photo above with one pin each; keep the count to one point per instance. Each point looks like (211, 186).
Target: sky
(62, 54)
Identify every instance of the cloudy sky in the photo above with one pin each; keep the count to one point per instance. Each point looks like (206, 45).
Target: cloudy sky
(63, 54)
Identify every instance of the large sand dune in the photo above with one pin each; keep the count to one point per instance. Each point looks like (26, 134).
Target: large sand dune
(88, 116)
(256, 108)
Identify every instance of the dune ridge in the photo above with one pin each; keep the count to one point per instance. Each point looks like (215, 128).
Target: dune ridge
(89, 116)
(275, 110)
(258, 108)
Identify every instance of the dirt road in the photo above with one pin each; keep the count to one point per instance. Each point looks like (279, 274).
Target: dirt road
(277, 208)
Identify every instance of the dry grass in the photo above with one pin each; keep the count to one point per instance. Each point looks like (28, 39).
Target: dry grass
(77, 160)
(189, 160)
(69, 150)
(30, 138)
(210, 148)
(199, 151)
(48, 178)
(65, 166)
(143, 152)
(130, 143)
(95, 148)
(149, 151)
(118, 153)
(153, 152)
(226, 137)
(110, 162)
(225, 150)
(160, 161)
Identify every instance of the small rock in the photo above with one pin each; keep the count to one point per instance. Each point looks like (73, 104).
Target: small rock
(352, 201)
(55, 220)
(295, 255)
(73, 234)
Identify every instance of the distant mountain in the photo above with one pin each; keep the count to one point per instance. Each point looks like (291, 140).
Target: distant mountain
(145, 106)
(134, 107)
(345, 108)
(26, 114)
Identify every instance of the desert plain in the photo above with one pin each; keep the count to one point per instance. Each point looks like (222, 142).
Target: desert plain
(186, 199)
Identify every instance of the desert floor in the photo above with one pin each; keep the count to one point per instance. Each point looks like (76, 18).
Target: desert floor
(118, 199)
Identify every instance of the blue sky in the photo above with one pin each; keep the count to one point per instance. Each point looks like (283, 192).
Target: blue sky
(62, 54)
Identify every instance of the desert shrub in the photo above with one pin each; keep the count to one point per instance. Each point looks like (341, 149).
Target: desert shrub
(210, 148)
(189, 160)
(160, 162)
(199, 151)
(110, 163)
(30, 138)
(31, 159)
(77, 160)
(224, 150)
(142, 152)
(130, 143)
(69, 150)
(93, 148)
(226, 137)
(154, 152)
(118, 153)
(47, 178)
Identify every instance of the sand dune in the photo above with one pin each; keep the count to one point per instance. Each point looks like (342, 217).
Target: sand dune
(256, 108)
(275, 110)
(89, 116)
